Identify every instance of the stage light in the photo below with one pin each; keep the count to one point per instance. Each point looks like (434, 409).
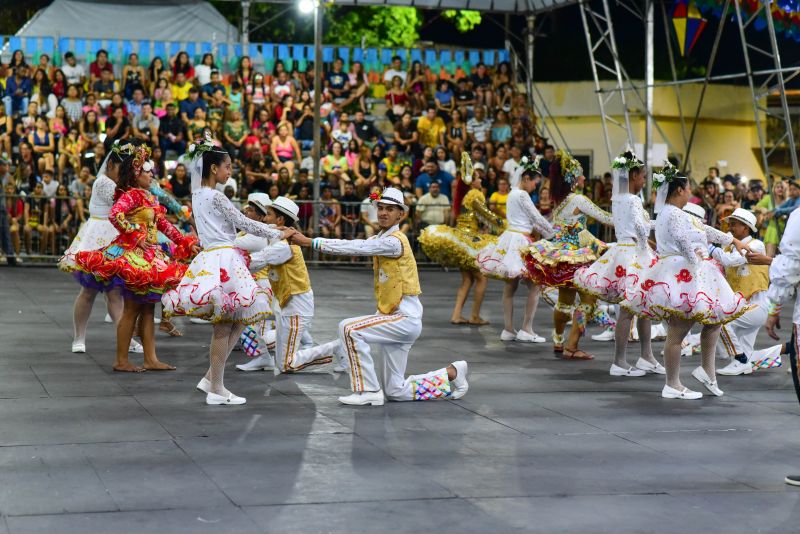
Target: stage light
(307, 6)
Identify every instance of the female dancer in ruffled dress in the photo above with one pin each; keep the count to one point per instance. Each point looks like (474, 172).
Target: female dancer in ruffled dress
(619, 269)
(96, 233)
(218, 286)
(685, 286)
(135, 262)
(457, 247)
(553, 262)
(504, 258)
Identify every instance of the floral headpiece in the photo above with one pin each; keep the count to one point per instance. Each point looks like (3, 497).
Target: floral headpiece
(122, 150)
(141, 159)
(531, 165)
(666, 175)
(570, 167)
(375, 196)
(197, 149)
(627, 160)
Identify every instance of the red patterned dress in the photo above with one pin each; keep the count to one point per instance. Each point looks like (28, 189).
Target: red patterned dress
(134, 261)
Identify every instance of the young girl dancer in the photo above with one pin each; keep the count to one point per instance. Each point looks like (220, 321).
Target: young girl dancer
(134, 261)
(684, 285)
(619, 269)
(218, 286)
(504, 258)
(96, 233)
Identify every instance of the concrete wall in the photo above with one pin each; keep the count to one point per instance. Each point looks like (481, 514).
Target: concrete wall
(725, 131)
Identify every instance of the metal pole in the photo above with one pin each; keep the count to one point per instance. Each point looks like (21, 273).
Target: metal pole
(316, 149)
(531, 19)
(245, 25)
(676, 88)
(649, 78)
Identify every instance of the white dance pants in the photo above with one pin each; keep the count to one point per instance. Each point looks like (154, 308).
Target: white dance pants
(739, 335)
(293, 343)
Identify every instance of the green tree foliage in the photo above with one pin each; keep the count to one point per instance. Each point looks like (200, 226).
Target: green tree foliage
(463, 19)
(377, 26)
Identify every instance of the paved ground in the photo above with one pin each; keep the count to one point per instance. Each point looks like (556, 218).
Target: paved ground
(538, 444)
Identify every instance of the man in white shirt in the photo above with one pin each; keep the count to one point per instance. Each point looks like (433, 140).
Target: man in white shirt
(479, 127)
(396, 70)
(369, 215)
(73, 72)
(433, 207)
(511, 164)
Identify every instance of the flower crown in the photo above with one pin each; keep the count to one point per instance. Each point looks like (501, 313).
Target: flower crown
(570, 167)
(197, 149)
(375, 196)
(627, 161)
(122, 150)
(141, 159)
(531, 165)
(666, 175)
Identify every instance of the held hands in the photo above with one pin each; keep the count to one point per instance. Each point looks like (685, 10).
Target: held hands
(755, 258)
(773, 323)
(743, 249)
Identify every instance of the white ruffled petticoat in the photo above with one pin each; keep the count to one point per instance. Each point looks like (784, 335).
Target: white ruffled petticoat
(218, 287)
(675, 288)
(94, 234)
(615, 276)
(504, 258)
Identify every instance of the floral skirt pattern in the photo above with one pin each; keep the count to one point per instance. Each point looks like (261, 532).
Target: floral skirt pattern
(503, 259)
(553, 262)
(616, 275)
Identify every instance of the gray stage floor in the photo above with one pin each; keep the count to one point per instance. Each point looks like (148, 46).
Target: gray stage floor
(538, 444)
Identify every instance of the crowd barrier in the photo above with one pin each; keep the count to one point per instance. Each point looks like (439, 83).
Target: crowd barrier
(294, 55)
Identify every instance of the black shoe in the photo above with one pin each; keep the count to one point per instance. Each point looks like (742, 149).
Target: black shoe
(11, 261)
(792, 480)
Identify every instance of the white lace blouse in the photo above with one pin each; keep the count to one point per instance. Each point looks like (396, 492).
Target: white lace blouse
(575, 208)
(217, 220)
(102, 197)
(632, 224)
(679, 233)
(523, 216)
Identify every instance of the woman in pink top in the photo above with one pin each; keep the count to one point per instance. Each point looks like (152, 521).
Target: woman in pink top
(285, 150)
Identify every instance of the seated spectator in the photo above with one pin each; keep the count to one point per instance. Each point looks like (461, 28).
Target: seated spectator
(133, 76)
(136, 102)
(285, 150)
(304, 127)
(482, 84)
(89, 129)
(791, 203)
(59, 84)
(382, 179)
(427, 155)
(214, 83)
(146, 124)
(204, 72)
(100, 65)
(258, 173)
(351, 212)
(81, 184)
(92, 105)
(431, 128)
(351, 153)
(406, 137)
(73, 106)
(356, 100)
(338, 83)
(180, 182)
(498, 199)
(479, 129)
(69, 153)
(364, 131)
(499, 160)
(180, 88)
(335, 169)
(456, 135)
(196, 127)
(192, 103)
(433, 174)
(465, 99)
(396, 100)
(396, 71)
(44, 146)
(118, 128)
(162, 95)
(180, 64)
(445, 100)
(18, 91)
(59, 123)
(256, 95)
(342, 133)
(330, 214)
(6, 132)
(417, 87)
(406, 182)
(364, 171)
(299, 183)
(36, 220)
(306, 213)
(117, 102)
(75, 73)
(505, 98)
(172, 132)
(42, 94)
(234, 135)
(433, 207)
(510, 165)
(263, 121)
(444, 161)
(501, 130)
(105, 88)
(49, 184)
(282, 86)
(15, 207)
(392, 163)
(61, 227)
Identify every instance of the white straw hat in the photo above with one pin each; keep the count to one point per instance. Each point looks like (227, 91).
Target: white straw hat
(260, 201)
(392, 197)
(744, 216)
(286, 207)
(695, 209)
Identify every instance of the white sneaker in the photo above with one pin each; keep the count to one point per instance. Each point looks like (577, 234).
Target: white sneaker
(108, 319)
(216, 400)
(197, 320)
(79, 348)
(459, 385)
(136, 347)
(687, 394)
(259, 363)
(606, 335)
(525, 337)
(374, 398)
(644, 365)
(736, 368)
(711, 385)
(658, 332)
(616, 370)
(505, 335)
(204, 385)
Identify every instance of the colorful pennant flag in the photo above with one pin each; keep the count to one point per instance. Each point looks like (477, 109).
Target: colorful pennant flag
(688, 24)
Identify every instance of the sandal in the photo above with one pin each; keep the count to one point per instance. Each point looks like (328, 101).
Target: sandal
(577, 354)
(167, 326)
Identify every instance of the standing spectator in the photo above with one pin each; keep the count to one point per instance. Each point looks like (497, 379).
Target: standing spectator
(479, 128)
(172, 132)
(406, 137)
(365, 131)
(180, 64)
(9, 223)
(417, 84)
(456, 135)
(204, 72)
(396, 100)
(133, 76)
(145, 125)
(431, 128)
(61, 220)
(180, 182)
(74, 73)
(433, 174)
(433, 207)
(351, 212)
(18, 91)
(98, 66)
(396, 71)
(285, 150)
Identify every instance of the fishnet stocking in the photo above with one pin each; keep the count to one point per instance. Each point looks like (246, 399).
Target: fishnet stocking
(708, 344)
(645, 326)
(677, 330)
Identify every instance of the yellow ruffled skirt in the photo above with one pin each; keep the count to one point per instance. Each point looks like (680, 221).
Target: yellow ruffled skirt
(453, 248)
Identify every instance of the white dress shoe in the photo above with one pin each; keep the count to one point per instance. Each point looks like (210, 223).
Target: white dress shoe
(197, 320)
(204, 385)
(108, 319)
(687, 394)
(79, 347)
(231, 399)
(616, 370)
(136, 347)
(259, 363)
(736, 368)
(605, 335)
(505, 335)
(459, 385)
(711, 385)
(644, 365)
(156, 320)
(525, 337)
(374, 398)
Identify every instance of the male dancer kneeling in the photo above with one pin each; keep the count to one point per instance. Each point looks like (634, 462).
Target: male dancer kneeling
(398, 321)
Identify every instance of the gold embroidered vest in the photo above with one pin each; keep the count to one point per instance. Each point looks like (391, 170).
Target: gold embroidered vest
(290, 278)
(747, 279)
(395, 277)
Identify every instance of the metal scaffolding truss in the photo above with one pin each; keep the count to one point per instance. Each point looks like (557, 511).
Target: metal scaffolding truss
(771, 83)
